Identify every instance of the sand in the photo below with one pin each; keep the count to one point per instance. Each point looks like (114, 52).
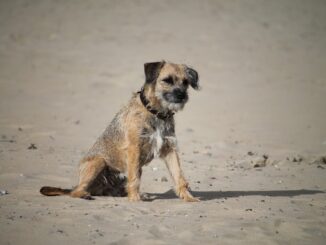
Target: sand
(252, 141)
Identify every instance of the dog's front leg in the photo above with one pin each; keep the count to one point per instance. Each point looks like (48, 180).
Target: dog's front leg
(181, 185)
(134, 173)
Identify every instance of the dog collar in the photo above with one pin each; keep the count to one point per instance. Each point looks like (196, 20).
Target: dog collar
(145, 102)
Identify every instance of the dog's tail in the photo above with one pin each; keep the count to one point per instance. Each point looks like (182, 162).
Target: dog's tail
(54, 191)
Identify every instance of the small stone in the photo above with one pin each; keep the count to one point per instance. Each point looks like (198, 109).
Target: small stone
(3, 192)
(32, 147)
(296, 158)
(259, 162)
(164, 179)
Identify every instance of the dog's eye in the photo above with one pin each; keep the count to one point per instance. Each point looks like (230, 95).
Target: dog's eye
(185, 82)
(168, 80)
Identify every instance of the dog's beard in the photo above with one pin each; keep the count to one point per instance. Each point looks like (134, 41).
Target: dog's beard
(171, 106)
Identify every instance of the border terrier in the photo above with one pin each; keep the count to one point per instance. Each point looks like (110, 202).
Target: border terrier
(141, 131)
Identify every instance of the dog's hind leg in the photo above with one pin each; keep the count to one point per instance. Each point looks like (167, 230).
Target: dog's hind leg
(88, 172)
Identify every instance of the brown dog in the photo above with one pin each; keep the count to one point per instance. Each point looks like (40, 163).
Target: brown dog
(142, 130)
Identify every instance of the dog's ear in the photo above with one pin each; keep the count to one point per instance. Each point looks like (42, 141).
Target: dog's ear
(192, 76)
(152, 70)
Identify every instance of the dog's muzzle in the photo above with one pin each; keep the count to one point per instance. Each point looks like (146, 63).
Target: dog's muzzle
(176, 96)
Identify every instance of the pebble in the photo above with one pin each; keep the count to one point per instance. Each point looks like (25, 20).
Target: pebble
(250, 153)
(319, 160)
(164, 179)
(295, 158)
(3, 192)
(32, 147)
(259, 162)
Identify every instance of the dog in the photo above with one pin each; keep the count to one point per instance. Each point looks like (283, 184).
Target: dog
(140, 131)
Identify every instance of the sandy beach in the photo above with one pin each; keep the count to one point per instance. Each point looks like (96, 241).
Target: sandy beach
(252, 140)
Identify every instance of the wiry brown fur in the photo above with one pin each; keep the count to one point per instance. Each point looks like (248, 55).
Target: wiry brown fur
(134, 137)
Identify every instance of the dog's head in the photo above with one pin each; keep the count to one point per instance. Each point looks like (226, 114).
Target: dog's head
(169, 83)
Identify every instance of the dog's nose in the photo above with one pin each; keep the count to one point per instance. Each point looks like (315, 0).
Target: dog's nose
(179, 94)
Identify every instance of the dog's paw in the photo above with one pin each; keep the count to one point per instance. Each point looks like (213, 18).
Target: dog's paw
(134, 197)
(187, 197)
(191, 199)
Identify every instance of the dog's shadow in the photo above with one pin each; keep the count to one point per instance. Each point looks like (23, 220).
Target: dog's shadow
(212, 195)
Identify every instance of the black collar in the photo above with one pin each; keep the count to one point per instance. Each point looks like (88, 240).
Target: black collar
(160, 115)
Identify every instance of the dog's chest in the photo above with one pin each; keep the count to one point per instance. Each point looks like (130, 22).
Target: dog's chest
(156, 140)
(158, 136)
